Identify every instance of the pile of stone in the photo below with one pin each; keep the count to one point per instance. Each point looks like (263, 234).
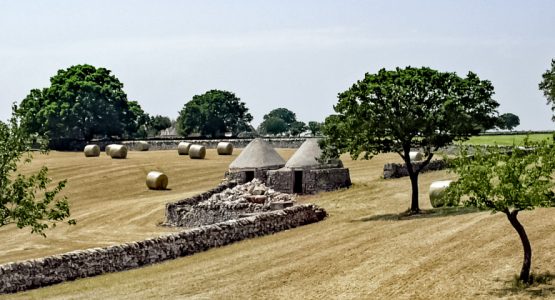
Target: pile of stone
(233, 203)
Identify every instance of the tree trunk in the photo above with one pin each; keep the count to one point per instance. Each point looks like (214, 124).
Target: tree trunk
(414, 208)
(527, 263)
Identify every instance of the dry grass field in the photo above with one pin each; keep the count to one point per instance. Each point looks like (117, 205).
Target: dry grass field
(361, 251)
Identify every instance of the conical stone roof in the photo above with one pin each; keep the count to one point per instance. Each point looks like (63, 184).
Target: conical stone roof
(307, 157)
(258, 154)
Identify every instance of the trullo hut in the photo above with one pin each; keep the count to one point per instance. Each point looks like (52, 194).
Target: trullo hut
(304, 174)
(254, 162)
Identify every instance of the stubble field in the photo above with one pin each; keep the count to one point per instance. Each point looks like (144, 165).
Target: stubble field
(361, 251)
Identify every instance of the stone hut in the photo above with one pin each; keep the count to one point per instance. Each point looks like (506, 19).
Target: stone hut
(254, 162)
(304, 174)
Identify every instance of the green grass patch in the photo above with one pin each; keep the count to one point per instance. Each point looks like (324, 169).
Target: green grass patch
(508, 140)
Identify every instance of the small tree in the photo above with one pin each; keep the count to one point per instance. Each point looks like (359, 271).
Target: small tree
(547, 85)
(20, 200)
(395, 111)
(297, 128)
(507, 182)
(287, 117)
(314, 127)
(213, 114)
(508, 121)
(158, 123)
(285, 114)
(272, 125)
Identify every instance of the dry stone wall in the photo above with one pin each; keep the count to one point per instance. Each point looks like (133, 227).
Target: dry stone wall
(174, 210)
(395, 170)
(19, 276)
(212, 144)
(231, 203)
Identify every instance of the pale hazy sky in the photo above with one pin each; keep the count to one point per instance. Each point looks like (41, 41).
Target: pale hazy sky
(293, 54)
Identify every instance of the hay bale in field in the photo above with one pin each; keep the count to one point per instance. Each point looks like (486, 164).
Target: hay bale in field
(437, 193)
(92, 151)
(118, 151)
(142, 146)
(183, 148)
(197, 151)
(224, 148)
(107, 149)
(415, 156)
(156, 180)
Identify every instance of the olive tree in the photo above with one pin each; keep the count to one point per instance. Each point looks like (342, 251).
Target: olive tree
(27, 200)
(507, 182)
(547, 86)
(398, 110)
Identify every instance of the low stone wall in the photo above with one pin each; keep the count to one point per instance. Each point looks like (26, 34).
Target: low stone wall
(174, 210)
(395, 170)
(212, 144)
(19, 276)
(232, 203)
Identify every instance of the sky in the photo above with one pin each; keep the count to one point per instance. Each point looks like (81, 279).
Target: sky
(293, 54)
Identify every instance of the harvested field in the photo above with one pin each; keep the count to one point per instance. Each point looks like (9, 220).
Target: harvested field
(362, 250)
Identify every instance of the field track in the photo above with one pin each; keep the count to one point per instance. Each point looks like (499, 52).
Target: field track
(361, 251)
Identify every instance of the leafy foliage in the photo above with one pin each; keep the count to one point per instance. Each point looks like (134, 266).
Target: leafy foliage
(402, 109)
(157, 124)
(547, 86)
(315, 127)
(511, 182)
(508, 121)
(281, 120)
(273, 125)
(297, 128)
(213, 114)
(18, 193)
(81, 102)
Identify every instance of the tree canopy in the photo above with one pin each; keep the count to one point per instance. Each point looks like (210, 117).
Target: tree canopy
(508, 121)
(315, 127)
(213, 114)
(81, 102)
(547, 86)
(507, 182)
(411, 108)
(26, 200)
(281, 120)
(158, 123)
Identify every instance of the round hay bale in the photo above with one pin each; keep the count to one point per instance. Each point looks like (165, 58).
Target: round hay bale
(107, 149)
(224, 148)
(415, 156)
(197, 151)
(183, 148)
(156, 180)
(437, 193)
(92, 151)
(142, 146)
(118, 151)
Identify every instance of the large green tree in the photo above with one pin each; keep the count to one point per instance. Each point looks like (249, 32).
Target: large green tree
(547, 86)
(411, 108)
(213, 114)
(27, 200)
(271, 122)
(157, 124)
(508, 121)
(273, 125)
(507, 182)
(81, 102)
